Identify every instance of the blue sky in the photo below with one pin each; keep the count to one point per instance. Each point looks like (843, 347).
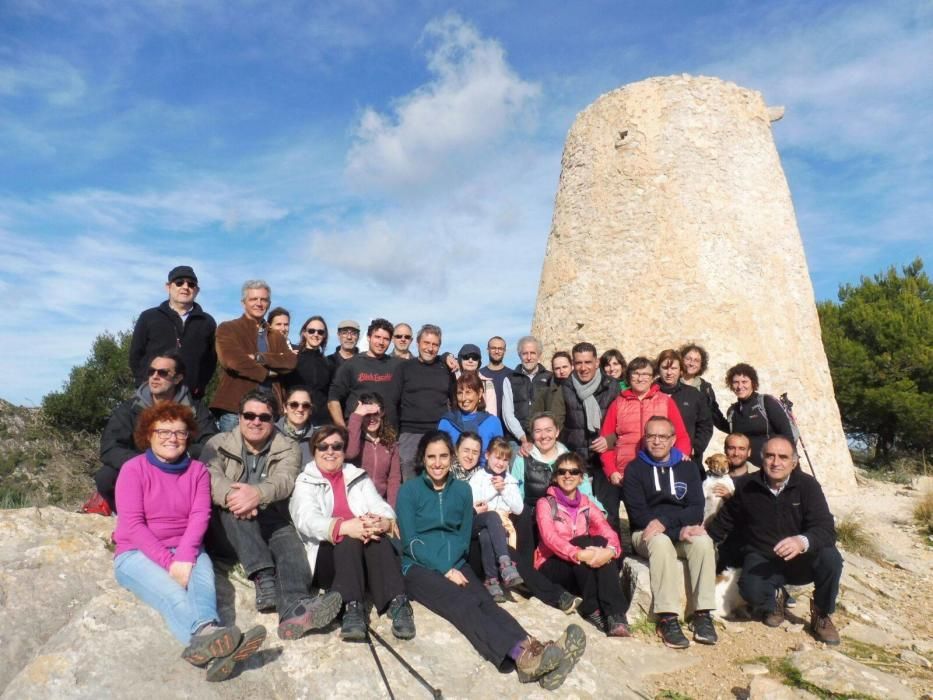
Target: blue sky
(400, 159)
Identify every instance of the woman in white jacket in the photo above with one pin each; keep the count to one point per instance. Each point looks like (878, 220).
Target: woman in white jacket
(343, 522)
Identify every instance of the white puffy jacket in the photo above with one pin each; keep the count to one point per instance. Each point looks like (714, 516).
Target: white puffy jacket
(312, 504)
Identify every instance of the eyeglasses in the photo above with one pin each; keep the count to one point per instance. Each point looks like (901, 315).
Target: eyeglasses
(472, 356)
(249, 417)
(569, 472)
(315, 331)
(295, 405)
(657, 437)
(643, 375)
(330, 447)
(185, 282)
(164, 373)
(165, 434)
(401, 336)
(347, 331)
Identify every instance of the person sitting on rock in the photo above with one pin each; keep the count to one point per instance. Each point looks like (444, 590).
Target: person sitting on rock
(344, 521)
(253, 470)
(789, 538)
(165, 383)
(165, 506)
(663, 497)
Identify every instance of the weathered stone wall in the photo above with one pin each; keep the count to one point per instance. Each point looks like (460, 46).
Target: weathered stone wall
(673, 222)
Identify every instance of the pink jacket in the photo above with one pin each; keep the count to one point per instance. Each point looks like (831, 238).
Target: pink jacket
(380, 462)
(556, 532)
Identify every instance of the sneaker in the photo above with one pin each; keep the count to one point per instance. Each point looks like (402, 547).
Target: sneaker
(704, 631)
(353, 625)
(211, 644)
(96, 505)
(596, 619)
(617, 626)
(789, 600)
(670, 632)
(775, 617)
(509, 573)
(403, 618)
(537, 659)
(221, 669)
(311, 614)
(573, 643)
(822, 627)
(568, 602)
(495, 590)
(264, 581)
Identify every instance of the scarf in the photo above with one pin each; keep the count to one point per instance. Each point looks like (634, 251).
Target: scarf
(168, 467)
(571, 505)
(587, 394)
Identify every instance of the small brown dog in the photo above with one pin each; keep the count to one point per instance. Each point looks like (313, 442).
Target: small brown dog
(717, 475)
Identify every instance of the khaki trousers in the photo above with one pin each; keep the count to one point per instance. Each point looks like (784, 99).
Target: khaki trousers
(667, 573)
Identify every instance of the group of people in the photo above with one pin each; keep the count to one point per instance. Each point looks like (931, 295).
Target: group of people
(415, 475)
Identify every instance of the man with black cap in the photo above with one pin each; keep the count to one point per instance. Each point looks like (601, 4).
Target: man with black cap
(348, 335)
(179, 324)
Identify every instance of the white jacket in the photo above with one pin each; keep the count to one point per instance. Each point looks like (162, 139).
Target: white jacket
(312, 504)
(509, 501)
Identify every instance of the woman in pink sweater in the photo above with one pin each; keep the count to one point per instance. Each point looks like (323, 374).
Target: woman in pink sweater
(578, 548)
(164, 501)
(373, 446)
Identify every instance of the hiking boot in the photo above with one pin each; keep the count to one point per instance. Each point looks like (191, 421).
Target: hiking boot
(495, 590)
(353, 625)
(537, 659)
(704, 631)
(573, 643)
(211, 644)
(311, 614)
(403, 618)
(264, 581)
(568, 602)
(617, 626)
(221, 669)
(822, 627)
(596, 619)
(509, 574)
(775, 617)
(670, 632)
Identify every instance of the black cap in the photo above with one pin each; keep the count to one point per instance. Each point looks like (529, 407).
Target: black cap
(469, 349)
(182, 271)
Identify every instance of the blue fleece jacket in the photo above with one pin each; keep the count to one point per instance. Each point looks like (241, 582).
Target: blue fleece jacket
(435, 525)
(455, 422)
(670, 491)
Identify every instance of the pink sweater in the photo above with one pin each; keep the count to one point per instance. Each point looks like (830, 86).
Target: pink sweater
(556, 532)
(380, 462)
(159, 510)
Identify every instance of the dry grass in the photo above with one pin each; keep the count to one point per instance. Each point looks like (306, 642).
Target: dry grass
(854, 537)
(923, 513)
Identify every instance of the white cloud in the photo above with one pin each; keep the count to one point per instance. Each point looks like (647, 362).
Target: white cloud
(49, 77)
(474, 97)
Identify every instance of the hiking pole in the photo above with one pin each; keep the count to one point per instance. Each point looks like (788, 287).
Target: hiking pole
(382, 672)
(789, 408)
(435, 692)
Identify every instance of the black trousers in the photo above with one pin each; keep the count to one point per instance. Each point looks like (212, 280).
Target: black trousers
(267, 541)
(762, 575)
(610, 496)
(488, 627)
(352, 567)
(541, 587)
(600, 588)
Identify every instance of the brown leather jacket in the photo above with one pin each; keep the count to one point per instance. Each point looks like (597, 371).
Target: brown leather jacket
(236, 340)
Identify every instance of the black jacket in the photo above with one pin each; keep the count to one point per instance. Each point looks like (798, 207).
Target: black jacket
(694, 409)
(524, 391)
(315, 372)
(764, 519)
(574, 433)
(160, 329)
(719, 420)
(116, 442)
(426, 388)
(746, 418)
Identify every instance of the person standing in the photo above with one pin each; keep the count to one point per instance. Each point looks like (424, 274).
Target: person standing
(179, 324)
(528, 379)
(496, 371)
(348, 335)
(401, 341)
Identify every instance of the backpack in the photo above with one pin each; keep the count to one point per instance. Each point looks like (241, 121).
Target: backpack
(553, 503)
(760, 404)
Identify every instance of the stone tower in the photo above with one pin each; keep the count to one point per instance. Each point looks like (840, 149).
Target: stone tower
(673, 223)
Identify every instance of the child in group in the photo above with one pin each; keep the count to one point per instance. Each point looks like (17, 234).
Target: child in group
(495, 498)
(469, 450)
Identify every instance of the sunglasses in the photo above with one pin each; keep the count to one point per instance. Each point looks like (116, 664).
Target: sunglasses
(347, 331)
(295, 405)
(472, 356)
(569, 472)
(315, 331)
(330, 447)
(185, 282)
(402, 336)
(164, 373)
(249, 416)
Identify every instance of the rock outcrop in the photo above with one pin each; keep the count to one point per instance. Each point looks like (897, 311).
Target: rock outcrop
(672, 223)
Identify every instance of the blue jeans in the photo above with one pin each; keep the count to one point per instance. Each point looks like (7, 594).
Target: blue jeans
(228, 421)
(184, 610)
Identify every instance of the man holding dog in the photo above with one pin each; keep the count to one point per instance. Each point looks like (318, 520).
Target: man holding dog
(789, 538)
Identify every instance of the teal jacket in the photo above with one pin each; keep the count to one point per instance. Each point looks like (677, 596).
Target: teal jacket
(435, 525)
